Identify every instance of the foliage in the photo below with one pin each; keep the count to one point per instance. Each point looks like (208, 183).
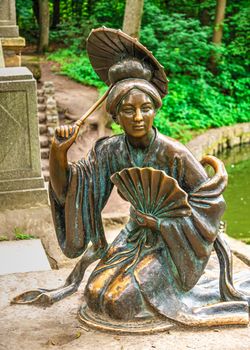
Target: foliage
(197, 98)
(72, 35)
(109, 13)
(21, 235)
(116, 128)
(76, 67)
(26, 20)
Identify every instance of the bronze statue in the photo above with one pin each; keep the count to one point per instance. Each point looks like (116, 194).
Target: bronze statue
(152, 273)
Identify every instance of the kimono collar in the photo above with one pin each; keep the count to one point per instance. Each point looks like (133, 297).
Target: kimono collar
(146, 153)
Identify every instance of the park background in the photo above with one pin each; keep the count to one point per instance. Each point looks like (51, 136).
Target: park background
(203, 45)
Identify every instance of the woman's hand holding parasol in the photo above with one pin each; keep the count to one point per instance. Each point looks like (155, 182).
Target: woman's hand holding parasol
(106, 47)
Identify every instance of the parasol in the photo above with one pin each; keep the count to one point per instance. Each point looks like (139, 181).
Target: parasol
(106, 47)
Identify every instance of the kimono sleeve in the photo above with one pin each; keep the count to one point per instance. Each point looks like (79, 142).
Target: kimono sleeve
(78, 221)
(190, 239)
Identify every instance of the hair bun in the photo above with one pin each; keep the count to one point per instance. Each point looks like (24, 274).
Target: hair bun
(129, 68)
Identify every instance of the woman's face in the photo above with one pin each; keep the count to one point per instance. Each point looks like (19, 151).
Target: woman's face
(136, 114)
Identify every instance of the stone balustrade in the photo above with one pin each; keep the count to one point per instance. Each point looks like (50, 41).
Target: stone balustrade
(48, 121)
(214, 141)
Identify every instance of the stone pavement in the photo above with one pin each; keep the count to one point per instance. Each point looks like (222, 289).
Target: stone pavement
(23, 256)
(26, 327)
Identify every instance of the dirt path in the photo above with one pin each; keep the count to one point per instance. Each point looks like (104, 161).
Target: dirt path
(72, 97)
(75, 99)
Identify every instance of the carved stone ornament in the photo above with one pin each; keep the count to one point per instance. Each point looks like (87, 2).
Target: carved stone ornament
(158, 271)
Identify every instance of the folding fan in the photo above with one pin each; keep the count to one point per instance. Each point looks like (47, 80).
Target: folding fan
(152, 192)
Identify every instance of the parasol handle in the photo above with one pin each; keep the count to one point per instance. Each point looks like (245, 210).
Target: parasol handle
(92, 108)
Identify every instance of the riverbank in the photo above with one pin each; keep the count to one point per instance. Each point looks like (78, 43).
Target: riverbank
(215, 141)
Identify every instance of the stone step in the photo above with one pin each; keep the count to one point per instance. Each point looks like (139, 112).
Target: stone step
(40, 92)
(45, 164)
(52, 119)
(51, 130)
(41, 117)
(40, 99)
(46, 175)
(44, 141)
(45, 153)
(42, 129)
(41, 108)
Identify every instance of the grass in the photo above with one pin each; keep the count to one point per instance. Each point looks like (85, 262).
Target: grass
(21, 235)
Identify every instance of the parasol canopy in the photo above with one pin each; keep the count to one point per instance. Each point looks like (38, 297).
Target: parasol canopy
(106, 47)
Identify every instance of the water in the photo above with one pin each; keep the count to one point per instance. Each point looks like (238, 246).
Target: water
(237, 194)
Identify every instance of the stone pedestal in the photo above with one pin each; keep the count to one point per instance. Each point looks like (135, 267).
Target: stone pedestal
(9, 34)
(21, 183)
(12, 50)
(8, 27)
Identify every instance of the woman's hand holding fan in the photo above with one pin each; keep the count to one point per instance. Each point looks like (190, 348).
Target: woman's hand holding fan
(144, 220)
(154, 197)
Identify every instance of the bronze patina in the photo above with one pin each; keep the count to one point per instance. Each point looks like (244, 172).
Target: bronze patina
(152, 275)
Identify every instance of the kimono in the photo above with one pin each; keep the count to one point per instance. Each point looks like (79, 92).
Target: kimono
(134, 281)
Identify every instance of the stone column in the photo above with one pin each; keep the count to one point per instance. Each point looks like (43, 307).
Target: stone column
(9, 34)
(21, 183)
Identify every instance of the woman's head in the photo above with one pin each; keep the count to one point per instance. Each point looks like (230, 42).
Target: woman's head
(124, 87)
(132, 103)
(133, 100)
(136, 113)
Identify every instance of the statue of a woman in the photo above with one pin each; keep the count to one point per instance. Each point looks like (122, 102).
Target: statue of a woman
(152, 272)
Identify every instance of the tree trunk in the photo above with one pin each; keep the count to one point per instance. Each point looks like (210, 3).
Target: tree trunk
(36, 10)
(132, 17)
(218, 23)
(43, 25)
(56, 13)
(218, 31)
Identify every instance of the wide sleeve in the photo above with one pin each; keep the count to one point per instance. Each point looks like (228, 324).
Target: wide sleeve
(189, 240)
(78, 221)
